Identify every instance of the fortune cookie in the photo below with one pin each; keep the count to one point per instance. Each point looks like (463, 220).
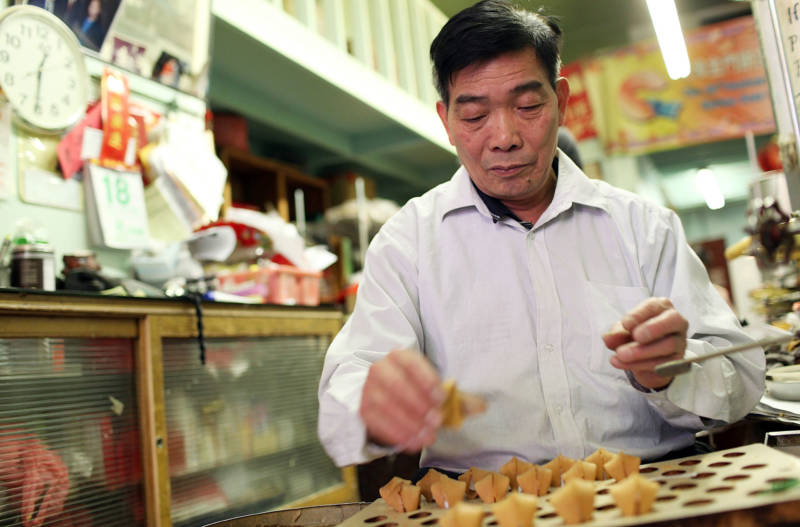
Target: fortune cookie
(600, 457)
(558, 466)
(622, 465)
(516, 510)
(457, 405)
(582, 470)
(535, 481)
(400, 495)
(514, 468)
(634, 495)
(431, 477)
(463, 515)
(574, 502)
(447, 492)
(470, 477)
(492, 487)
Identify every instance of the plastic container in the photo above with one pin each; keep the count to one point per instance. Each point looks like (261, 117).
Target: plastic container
(293, 286)
(276, 284)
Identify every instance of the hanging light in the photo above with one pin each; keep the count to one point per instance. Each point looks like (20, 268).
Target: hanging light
(707, 185)
(670, 37)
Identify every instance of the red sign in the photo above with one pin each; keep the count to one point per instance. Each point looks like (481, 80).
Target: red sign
(579, 118)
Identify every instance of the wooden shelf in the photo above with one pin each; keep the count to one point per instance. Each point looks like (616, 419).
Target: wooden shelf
(256, 181)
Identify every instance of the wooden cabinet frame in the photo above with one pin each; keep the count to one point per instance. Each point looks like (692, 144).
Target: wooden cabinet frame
(148, 321)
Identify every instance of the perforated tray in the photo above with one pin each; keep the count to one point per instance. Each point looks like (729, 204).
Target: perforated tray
(754, 478)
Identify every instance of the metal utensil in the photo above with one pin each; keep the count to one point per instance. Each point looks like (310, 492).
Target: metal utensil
(676, 367)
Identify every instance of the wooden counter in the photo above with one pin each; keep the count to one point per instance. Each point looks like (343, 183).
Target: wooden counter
(165, 331)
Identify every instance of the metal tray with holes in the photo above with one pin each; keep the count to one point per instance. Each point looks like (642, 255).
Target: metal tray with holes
(750, 485)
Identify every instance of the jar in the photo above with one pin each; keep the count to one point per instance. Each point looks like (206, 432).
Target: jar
(33, 267)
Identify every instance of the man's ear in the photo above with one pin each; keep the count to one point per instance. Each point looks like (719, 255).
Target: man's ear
(562, 92)
(441, 109)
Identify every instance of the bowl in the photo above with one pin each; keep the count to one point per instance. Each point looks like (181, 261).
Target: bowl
(784, 382)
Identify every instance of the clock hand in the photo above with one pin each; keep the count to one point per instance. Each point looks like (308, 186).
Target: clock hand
(49, 68)
(39, 81)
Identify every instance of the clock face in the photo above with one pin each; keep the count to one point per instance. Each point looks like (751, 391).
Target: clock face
(42, 72)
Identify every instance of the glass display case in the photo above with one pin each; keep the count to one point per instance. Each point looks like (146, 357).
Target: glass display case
(110, 414)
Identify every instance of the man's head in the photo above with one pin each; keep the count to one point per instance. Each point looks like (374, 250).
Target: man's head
(502, 101)
(488, 29)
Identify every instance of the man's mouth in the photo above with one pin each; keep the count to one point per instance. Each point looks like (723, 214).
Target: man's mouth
(506, 170)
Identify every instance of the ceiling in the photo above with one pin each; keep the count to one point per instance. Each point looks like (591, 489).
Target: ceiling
(590, 26)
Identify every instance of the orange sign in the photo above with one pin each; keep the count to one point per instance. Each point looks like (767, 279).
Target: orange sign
(725, 96)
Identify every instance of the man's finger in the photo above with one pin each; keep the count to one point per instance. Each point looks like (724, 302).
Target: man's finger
(667, 348)
(643, 366)
(389, 423)
(420, 374)
(644, 311)
(616, 336)
(665, 323)
(389, 385)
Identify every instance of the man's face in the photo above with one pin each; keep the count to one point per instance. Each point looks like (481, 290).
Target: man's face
(503, 120)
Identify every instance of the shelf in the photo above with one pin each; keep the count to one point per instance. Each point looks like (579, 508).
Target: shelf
(298, 89)
(234, 460)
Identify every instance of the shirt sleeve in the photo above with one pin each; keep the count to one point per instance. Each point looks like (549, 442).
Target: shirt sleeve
(723, 389)
(385, 318)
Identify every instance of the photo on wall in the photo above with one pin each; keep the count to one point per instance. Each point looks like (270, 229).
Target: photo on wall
(90, 20)
(167, 41)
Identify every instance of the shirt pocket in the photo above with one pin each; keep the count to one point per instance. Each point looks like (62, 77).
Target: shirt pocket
(607, 304)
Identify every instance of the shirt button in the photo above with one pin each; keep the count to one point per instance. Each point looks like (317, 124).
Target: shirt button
(557, 408)
(548, 348)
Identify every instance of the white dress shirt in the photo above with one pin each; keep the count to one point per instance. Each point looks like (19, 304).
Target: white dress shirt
(517, 315)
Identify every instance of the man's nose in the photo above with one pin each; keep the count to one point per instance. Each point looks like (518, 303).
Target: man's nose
(505, 132)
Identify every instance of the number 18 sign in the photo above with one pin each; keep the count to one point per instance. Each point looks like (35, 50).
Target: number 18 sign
(118, 199)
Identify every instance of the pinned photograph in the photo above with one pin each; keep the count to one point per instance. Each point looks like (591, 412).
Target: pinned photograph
(168, 69)
(88, 19)
(129, 56)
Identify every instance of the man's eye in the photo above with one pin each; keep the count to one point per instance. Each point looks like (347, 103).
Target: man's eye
(473, 119)
(529, 108)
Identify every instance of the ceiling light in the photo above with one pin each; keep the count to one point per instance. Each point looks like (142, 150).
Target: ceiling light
(670, 37)
(707, 185)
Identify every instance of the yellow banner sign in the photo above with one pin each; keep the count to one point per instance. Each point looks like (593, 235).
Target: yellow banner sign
(640, 109)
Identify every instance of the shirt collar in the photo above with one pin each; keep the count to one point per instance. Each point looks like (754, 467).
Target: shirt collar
(572, 186)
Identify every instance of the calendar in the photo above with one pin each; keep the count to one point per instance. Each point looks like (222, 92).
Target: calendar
(115, 207)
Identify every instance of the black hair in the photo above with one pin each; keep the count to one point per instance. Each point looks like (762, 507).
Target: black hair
(485, 31)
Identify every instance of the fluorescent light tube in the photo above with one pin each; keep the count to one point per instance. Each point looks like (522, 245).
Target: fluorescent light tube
(707, 185)
(670, 37)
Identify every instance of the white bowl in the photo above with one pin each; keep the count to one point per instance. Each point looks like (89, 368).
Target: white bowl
(784, 382)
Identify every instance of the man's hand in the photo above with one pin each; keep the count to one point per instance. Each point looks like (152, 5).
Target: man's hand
(400, 402)
(651, 333)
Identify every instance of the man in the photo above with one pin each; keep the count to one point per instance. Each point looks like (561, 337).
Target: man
(550, 295)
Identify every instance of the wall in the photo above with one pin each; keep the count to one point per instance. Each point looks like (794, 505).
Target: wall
(67, 229)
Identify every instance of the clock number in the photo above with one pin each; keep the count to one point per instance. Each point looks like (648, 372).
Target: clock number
(22, 98)
(42, 32)
(8, 79)
(54, 110)
(37, 109)
(119, 193)
(65, 100)
(71, 83)
(25, 31)
(13, 40)
(3, 55)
